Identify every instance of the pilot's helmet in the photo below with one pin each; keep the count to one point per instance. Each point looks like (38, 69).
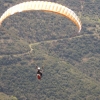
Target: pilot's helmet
(38, 68)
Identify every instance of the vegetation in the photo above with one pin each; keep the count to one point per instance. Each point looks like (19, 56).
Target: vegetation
(71, 61)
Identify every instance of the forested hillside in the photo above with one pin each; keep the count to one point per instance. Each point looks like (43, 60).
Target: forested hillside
(71, 60)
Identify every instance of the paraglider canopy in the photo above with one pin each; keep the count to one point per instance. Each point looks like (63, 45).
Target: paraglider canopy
(43, 6)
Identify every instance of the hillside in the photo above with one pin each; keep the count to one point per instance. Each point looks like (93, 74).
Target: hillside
(71, 61)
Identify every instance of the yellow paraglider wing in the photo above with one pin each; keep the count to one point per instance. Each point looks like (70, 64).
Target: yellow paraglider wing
(45, 6)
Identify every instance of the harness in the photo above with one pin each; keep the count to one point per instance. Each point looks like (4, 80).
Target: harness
(39, 74)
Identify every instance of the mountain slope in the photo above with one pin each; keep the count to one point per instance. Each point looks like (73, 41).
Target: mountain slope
(70, 60)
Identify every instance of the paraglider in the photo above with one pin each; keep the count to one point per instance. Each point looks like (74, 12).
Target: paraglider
(43, 6)
(39, 73)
